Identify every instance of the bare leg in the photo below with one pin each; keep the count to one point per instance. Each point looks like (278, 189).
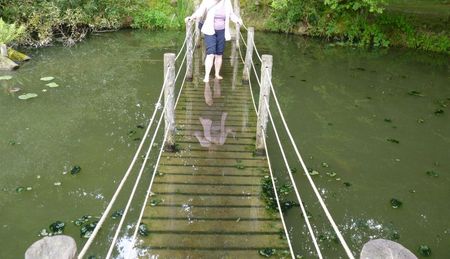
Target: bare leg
(208, 66)
(217, 66)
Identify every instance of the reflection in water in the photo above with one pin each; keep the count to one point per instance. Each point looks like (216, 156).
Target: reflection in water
(214, 133)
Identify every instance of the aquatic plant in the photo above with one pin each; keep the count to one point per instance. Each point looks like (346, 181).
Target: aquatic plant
(7, 77)
(396, 203)
(87, 229)
(47, 78)
(432, 173)
(424, 250)
(117, 214)
(75, 170)
(393, 140)
(143, 230)
(268, 195)
(10, 32)
(27, 96)
(267, 252)
(57, 227)
(52, 85)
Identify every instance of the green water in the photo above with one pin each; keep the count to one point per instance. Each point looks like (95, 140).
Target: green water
(335, 99)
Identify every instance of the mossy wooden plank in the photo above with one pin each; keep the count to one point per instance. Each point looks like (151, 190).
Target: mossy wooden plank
(215, 241)
(204, 254)
(207, 212)
(205, 190)
(212, 226)
(169, 199)
(207, 179)
(239, 164)
(207, 154)
(224, 171)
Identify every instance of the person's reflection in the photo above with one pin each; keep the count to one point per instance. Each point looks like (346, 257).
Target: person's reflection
(216, 93)
(214, 133)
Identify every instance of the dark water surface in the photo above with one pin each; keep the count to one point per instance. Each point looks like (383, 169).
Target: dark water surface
(342, 105)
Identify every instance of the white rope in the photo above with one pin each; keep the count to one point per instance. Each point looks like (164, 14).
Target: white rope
(316, 191)
(243, 39)
(125, 177)
(138, 179)
(302, 207)
(278, 200)
(257, 52)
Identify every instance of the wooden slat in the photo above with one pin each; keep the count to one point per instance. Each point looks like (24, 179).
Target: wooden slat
(202, 179)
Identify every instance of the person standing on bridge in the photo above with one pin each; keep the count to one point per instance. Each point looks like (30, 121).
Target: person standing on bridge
(216, 27)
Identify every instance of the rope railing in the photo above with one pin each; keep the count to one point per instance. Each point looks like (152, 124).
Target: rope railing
(131, 166)
(299, 157)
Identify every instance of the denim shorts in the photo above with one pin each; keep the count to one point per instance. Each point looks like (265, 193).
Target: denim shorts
(215, 44)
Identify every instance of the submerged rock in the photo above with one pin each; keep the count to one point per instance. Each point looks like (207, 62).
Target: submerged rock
(62, 247)
(381, 248)
(7, 64)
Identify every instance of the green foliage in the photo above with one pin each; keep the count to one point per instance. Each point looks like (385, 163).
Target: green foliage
(162, 15)
(9, 32)
(373, 6)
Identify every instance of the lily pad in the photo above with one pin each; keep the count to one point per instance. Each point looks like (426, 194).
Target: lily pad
(48, 78)
(396, 203)
(347, 184)
(425, 250)
(27, 96)
(325, 165)
(52, 85)
(332, 174)
(393, 140)
(87, 230)
(143, 230)
(267, 252)
(75, 170)
(117, 214)
(438, 112)
(6, 77)
(57, 227)
(314, 172)
(43, 232)
(82, 220)
(416, 93)
(20, 189)
(432, 173)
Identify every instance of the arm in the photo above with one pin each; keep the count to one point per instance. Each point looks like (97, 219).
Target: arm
(199, 12)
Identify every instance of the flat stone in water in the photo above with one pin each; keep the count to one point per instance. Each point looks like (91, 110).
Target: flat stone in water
(62, 247)
(382, 248)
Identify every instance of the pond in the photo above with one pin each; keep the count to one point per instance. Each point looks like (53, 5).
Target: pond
(371, 122)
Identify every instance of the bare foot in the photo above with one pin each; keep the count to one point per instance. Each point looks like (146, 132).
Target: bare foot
(219, 77)
(206, 80)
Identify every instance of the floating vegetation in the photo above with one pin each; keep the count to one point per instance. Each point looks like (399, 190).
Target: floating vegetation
(325, 165)
(328, 236)
(140, 126)
(393, 140)
(420, 121)
(57, 227)
(20, 189)
(388, 120)
(27, 96)
(313, 172)
(48, 78)
(12, 90)
(12, 142)
(7, 77)
(82, 220)
(416, 93)
(87, 229)
(131, 133)
(331, 174)
(267, 252)
(394, 235)
(143, 230)
(347, 184)
(438, 112)
(268, 194)
(155, 202)
(432, 173)
(75, 170)
(293, 170)
(57, 183)
(396, 203)
(117, 214)
(425, 250)
(136, 139)
(52, 85)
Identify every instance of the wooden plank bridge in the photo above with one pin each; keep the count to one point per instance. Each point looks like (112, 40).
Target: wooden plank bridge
(206, 198)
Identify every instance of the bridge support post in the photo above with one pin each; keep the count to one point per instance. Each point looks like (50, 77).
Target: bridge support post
(197, 28)
(264, 94)
(248, 55)
(235, 43)
(169, 96)
(190, 51)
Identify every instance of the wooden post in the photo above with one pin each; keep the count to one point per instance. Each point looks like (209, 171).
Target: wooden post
(261, 126)
(3, 50)
(190, 51)
(169, 96)
(197, 29)
(235, 43)
(248, 55)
